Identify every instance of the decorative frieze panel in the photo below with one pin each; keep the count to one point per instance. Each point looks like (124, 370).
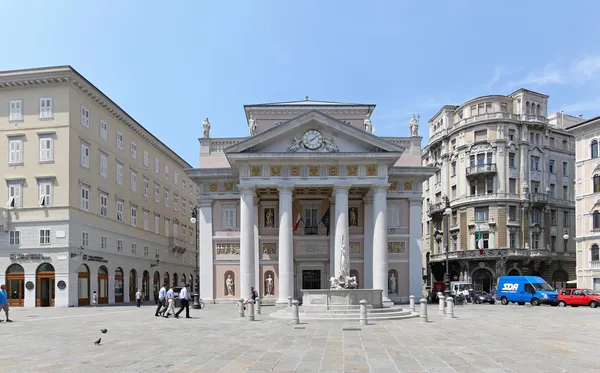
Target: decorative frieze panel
(397, 247)
(295, 171)
(372, 170)
(213, 187)
(269, 248)
(228, 249)
(352, 170)
(275, 170)
(394, 185)
(313, 171)
(408, 186)
(354, 247)
(229, 187)
(332, 171)
(255, 171)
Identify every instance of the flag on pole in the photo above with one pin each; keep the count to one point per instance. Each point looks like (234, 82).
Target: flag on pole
(325, 220)
(480, 243)
(298, 222)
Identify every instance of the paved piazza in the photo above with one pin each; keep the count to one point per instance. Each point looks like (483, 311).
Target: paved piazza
(481, 339)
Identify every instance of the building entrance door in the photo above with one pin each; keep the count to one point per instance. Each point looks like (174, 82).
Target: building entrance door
(311, 279)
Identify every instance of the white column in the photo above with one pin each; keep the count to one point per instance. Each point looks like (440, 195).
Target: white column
(332, 269)
(341, 226)
(380, 242)
(492, 239)
(257, 252)
(473, 242)
(501, 167)
(415, 249)
(246, 240)
(367, 276)
(206, 251)
(286, 249)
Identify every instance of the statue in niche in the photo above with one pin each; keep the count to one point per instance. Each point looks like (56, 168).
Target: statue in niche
(252, 126)
(353, 217)
(229, 286)
(269, 218)
(369, 125)
(414, 126)
(206, 127)
(392, 284)
(269, 286)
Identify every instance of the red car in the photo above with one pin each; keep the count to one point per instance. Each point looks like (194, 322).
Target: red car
(579, 297)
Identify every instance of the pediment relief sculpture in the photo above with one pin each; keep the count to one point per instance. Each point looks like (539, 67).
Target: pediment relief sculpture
(536, 151)
(480, 147)
(596, 206)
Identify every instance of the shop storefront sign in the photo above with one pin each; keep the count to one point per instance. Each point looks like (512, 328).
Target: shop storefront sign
(21, 256)
(93, 258)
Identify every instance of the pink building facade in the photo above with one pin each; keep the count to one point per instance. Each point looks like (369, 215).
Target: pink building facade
(276, 207)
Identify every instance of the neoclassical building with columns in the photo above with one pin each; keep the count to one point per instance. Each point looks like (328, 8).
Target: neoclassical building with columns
(276, 207)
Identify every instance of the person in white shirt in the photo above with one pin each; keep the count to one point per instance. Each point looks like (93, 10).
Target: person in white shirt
(465, 294)
(162, 294)
(184, 297)
(138, 297)
(170, 309)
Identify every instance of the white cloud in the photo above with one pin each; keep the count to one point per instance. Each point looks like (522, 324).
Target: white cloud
(586, 69)
(583, 106)
(549, 74)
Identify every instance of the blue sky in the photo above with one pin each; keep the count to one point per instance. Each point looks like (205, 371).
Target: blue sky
(170, 64)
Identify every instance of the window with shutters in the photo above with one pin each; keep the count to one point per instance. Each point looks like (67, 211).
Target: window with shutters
(104, 130)
(15, 151)
(133, 150)
(156, 166)
(85, 198)
(134, 216)
(15, 191)
(119, 173)
(103, 204)
(103, 242)
(44, 236)
(45, 193)
(481, 214)
(119, 245)
(133, 248)
(146, 249)
(156, 224)
(119, 210)
(85, 117)
(156, 193)
(229, 217)
(183, 207)
(16, 110)
(46, 153)
(119, 140)
(145, 187)
(85, 239)
(175, 202)
(167, 199)
(133, 181)
(145, 158)
(166, 171)
(15, 238)
(103, 165)
(393, 217)
(146, 217)
(46, 111)
(167, 225)
(176, 178)
(85, 155)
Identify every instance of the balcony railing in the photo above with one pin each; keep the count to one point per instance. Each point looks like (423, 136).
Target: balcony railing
(436, 208)
(486, 196)
(538, 253)
(481, 169)
(487, 254)
(538, 198)
(176, 245)
(595, 264)
(311, 231)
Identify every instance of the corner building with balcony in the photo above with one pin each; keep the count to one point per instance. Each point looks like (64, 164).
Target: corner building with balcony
(92, 200)
(276, 207)
(587, 202)
(505, 179)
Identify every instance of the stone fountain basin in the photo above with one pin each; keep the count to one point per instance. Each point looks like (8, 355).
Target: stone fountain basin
(326, 299)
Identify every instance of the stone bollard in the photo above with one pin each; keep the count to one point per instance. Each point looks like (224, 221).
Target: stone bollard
(289, 301)
(257, 307)
(411, 305)
(363, 312)
(295, 313)
(449, 308)
(423, 310)
(241, 307)
(442, 300)
(250, 316)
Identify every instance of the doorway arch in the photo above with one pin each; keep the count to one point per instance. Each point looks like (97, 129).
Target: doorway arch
(83, 285)
(166, 280)
(146, 285)
(118, 285)
(559, 279)
(514, 272)
(132, 284)
(102, 285)
(482, 279)
(183, 278)
(15, 285)
(175, 279)
(44, 284)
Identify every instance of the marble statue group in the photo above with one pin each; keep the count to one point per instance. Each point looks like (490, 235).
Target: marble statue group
(343, 280)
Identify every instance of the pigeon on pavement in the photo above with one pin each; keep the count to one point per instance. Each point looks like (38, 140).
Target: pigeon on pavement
(98, 341)
(103, 331)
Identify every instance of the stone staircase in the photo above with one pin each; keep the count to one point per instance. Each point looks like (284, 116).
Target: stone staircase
(345, 313)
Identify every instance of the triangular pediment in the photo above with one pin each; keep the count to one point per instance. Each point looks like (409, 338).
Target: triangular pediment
(334, 136)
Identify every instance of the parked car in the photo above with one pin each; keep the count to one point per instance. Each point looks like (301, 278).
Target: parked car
(579, 297)
(480, 296)
(523, 289)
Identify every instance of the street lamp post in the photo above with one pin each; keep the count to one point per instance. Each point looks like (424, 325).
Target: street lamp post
(447, 214)
(196, 295)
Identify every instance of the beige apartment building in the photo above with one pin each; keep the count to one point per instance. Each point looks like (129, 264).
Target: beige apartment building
(94, 202)
(587, 202)
(505, 184)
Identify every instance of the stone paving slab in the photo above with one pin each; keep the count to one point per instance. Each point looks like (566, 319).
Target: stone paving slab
(482, 338)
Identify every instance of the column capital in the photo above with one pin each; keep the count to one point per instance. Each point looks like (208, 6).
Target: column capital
(413, 201)
(368, 200)
(256, 201)
(285, 188)
(206, 202)
(244, 188)
(380, 188)
(342, 188)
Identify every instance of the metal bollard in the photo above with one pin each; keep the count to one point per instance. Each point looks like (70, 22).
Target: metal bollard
(411, 305)
(295, 313)
(257, 307)
(289, 301)
(423, 310)
(250, 316)
(241, 307)
(449, 308)
(363, 312)
(442, 300)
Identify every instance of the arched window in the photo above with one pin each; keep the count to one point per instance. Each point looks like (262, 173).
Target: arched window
(596, 183)
(596, 220)
(594, 148)
(539, 110)
(595, 253)
(527, 107)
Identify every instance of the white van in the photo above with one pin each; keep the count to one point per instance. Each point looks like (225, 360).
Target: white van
(458, 287)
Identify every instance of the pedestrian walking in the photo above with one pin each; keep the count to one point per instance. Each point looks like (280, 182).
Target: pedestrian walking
(162, 306)
(138, 297)
(4, 302)
(185, 302)
(94, 299)
(170, 309)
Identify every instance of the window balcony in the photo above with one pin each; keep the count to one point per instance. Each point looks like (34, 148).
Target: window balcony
(489, 254)
(595, 264)
(482, 169)
(311, 231)
(436, 208)
(538, 199)
(176, 245)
